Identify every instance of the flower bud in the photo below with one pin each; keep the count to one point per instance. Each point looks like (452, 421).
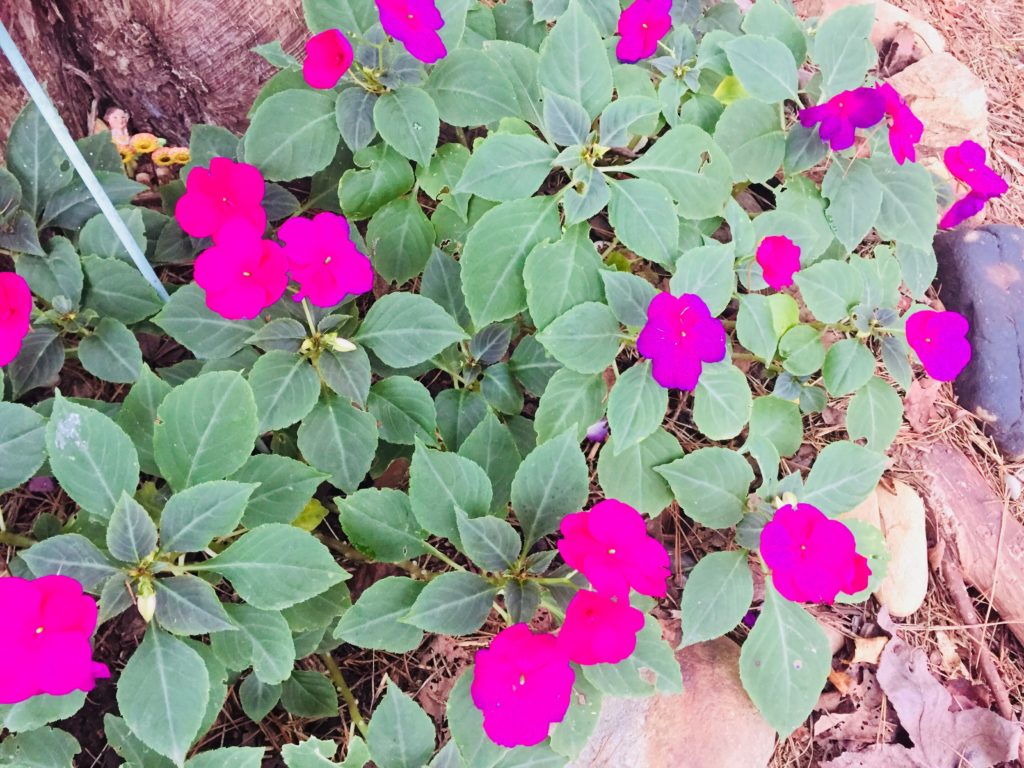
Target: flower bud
(145, 600)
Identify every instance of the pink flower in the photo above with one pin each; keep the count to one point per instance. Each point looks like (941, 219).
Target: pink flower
(641, 26)
(44, 642)
(779, 257)
(843, 114)
(324, 261)
(598, 431)
(599, 630)
(963, 209)
(242, 273)
(610, 546)
(415, 24)
(967, 163)
(940, 341)
(679, 337)
(15, 313)
(228, 190)
(522, 684)
(905, 130)
(812, 558)
(328, 57)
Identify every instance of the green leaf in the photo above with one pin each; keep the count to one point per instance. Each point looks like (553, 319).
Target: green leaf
(466, 722)
(22, 444)
(401, 735)
(558, 276)
(442, 283)
(574, 62)
(441, 483)
(356, 15)
(495, 252)
(843, 475)
(751, 132)
(206, 429)
(585, 339)
(98, 238)
(764, 66)
(19, 235)
(285, 388)
(586, 196)
(188, 320)
(849, 365)
(711, 485)
(520, 65)
(843, 49)
(258, 699)
(407, 119)
(492, 446)
(41, 748)
(275, 566)
(854, 201)
(38, 363)
(636, 406)
(651, 668)
(115, 289)
(551, 483)
(36, 159)
(692, 167)
(111, 352)
(716, 596)
(39, 710)
(875, 413)
(801, 350)
(469, 88)
(722, 401)
(455, 603)
(404, 410)
(507, 167)
(404, 329)
(566, 123)
(380, 523)
(644, 219)
(208, 142)
(490, 542)
(772, 19)
(708, 272)
(347, 373)
(779, 422)
(918, 266)
(626, 117)
(354, 114)
(570, 401)
(374, 622)
(229, 757)
(501, 391)
(194, 517)
(131, 534)
(292, 135)
(309, 694)
(262, 639)
(70, 554)
(162, 694)
(387, 175)
(92, 458)
(908, 202)
(187, 605)
(74, 205)
(574, 731)
(458, 413)
(339, 439)
(57, 274)
(284, 486)
(400, 238)
(784, 663)
(804, 149)
(631, 475)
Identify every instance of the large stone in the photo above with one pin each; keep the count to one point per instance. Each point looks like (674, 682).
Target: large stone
(982, 276)
(905, 585)
(711, 724)
(890, 21)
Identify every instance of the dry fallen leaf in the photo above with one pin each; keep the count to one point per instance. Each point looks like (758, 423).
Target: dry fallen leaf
(866, 650)
(884, 756)
(919, 407)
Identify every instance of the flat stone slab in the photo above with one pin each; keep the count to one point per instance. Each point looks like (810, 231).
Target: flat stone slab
(981, 272)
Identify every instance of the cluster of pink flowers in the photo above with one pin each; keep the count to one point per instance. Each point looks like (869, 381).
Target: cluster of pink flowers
(523, 681)
(15, 314)
(812, 558)
(940, 341)
(779, 258)
(45, 647)
(641, 26)
(243, 273)
(966, 162)
(679, 337)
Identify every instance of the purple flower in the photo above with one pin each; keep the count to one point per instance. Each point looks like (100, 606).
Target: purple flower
(679, 337)
(962, 210)
(966, 162)
(905, 130)
(843, 114)
(598, 431)
(940, 341)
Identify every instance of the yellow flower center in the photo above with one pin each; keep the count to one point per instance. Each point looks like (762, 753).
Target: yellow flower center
(522, 679)
(39, 630)
(611, 551)
(247, 274)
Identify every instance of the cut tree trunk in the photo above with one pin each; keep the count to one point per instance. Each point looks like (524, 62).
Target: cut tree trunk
(169, 63)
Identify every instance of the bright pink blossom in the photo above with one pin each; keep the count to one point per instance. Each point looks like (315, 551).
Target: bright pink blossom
(843, 114)
(522, 683)
(963, 209)
(242, 273)
(940, 341)
(679, 337)
(599, 630)
(328, 57)
(610, 546)
(905, 130)
(779, 258)
(641, 25)
(812, 558)
(214, 196)
(324, 261)
(15, 313)
(44, 641)
(966, 162)
(415, 23)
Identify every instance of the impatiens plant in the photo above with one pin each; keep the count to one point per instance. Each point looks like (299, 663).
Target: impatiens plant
(482, 291)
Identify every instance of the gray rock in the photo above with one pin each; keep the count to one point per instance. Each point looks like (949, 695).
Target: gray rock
(982, 276)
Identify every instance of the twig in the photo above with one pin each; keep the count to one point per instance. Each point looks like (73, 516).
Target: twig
(14, 540)
(346, 693)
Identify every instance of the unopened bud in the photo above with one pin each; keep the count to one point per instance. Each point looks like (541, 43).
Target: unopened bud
(145, 601)
(342, 345)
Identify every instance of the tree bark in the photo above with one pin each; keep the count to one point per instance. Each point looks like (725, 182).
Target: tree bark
(169, 63)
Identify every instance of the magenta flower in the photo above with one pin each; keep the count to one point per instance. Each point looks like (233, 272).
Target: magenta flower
(812, 558)
(843, 114)
(641, 25)
(522, 683)
(599, 630)
(44, 643)
(328, 57)
(905, 130)
(967, 164)
(779, 258)
(228, 190)
(610, 546)
(324, 261)
(963, 209)
(598, 431)
(15, 313)
(415, 23)
(940, 341)
(242, 273)
(679, 337)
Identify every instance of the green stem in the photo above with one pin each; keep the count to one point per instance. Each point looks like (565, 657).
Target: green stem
(561, 580)
(431, 549)
(309, 317)
(9, 539)
(346, 693)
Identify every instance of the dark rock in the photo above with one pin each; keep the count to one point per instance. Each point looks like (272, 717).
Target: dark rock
(981, 272)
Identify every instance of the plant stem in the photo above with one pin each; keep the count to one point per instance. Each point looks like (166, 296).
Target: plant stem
(561, 580)
(346, 693)
(14, 540)
(309, 317)
(442, 556)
